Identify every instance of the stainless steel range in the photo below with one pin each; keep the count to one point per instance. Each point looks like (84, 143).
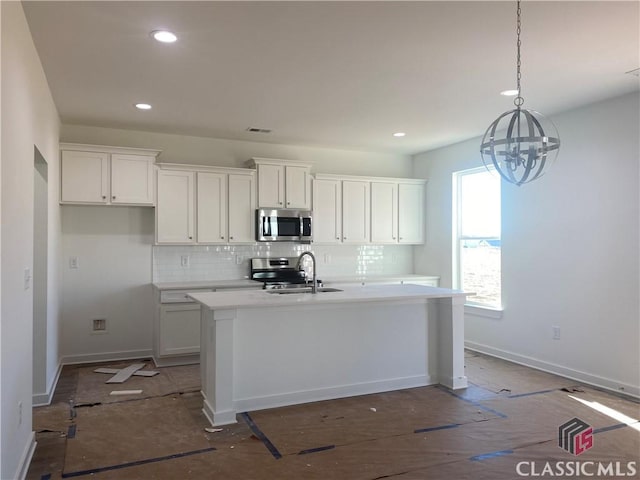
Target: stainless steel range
(278, 273)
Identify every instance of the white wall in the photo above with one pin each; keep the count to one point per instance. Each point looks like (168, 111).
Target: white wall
(233, 153)
(570, 249)
(112, 281)
(27, 102)
(114, 244)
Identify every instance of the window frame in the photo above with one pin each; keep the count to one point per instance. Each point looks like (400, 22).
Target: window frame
(481, 309)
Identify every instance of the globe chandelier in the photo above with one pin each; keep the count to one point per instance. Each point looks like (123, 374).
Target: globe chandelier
(520, 144)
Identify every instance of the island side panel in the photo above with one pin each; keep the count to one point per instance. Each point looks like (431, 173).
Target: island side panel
(291, 355)
(216, 365)
(446, 318)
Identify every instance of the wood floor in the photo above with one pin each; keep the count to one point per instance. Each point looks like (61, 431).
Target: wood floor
(505, 425)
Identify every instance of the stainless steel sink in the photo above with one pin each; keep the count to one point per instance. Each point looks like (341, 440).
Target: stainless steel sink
(289, 291)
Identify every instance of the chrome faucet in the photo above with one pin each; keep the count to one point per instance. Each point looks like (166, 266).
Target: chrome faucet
(313, 259)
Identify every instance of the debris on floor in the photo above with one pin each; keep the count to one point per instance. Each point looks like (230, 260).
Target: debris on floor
(126, 392)
(123, 374)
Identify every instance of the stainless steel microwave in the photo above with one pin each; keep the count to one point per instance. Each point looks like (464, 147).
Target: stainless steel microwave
(283, 225)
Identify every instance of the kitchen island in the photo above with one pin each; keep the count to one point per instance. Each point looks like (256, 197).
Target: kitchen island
(262, 350)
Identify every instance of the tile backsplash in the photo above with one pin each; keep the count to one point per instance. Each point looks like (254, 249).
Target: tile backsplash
(230, 262)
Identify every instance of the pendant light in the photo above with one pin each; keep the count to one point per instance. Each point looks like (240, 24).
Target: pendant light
(520, 144)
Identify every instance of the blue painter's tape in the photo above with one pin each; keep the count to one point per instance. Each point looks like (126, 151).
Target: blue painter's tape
(433, 429)
(82, 473)
(612, 427)
(540, 392)
(486, 456)
(475, 404)
(260, 434)
(71, 431)
(317, 449)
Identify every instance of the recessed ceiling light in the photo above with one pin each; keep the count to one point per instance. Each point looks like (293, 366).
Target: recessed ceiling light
(164, 36)
(143, 106)
(399, 134)
(509, 93)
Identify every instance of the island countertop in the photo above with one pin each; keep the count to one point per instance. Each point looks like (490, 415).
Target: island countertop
(349, 294)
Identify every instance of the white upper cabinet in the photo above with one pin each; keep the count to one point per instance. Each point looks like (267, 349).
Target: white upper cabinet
(205, 205)
(361, 210)
(355, 211)
(132, 179)
(175, 213)
(327, 211)
(384, 212)
(411, 210)
(282, 184)
(212, 207)
(397, 211)
(100, 175)
(84, 177)
(242, 208)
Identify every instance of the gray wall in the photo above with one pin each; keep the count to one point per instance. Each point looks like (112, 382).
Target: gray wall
(570, 249)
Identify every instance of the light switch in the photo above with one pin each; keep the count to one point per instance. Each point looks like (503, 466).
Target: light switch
(73, 262)
(27, 278)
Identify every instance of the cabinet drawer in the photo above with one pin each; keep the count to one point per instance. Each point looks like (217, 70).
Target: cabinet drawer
(180, 296)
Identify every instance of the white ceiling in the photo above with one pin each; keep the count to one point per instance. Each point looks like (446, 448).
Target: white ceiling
(335, 74)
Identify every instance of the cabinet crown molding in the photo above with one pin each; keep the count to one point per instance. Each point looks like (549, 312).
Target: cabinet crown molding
(255, 161)
(205, 168)
(333, 176)
(82, 147)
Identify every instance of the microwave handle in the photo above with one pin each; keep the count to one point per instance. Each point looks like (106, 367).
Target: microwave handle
(266, 226)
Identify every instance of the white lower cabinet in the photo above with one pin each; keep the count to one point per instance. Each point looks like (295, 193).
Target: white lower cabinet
(179, 330)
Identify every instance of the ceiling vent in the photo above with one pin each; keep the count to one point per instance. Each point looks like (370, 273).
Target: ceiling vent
(635, 72)
(258, 130)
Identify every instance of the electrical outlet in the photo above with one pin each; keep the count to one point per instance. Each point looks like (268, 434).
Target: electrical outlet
(99, 325)
(556, 333)
(239, 259)
(19, 413)
(184, 261)
(73, 262)
(327, 258)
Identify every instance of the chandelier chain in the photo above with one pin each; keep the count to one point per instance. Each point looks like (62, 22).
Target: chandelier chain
(518, 101)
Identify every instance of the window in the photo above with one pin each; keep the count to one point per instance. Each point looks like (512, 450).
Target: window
(476, 223)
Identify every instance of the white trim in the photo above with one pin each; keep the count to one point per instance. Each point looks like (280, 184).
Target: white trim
(335, 176)
(584, 377)
(106, 357)
(43, 399)
(81, 147)
(25, 460)
(315, 395)
(481, 311)
(204, 168)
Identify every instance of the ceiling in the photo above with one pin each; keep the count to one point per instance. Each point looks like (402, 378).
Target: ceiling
(332, 74)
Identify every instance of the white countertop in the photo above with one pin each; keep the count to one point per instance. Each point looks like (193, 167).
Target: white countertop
(350, 294)
(245, 282)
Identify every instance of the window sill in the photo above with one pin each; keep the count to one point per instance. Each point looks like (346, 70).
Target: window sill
(480, 311)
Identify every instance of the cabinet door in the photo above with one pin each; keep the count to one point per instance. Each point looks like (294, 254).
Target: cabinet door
(355, 211)
(179, 330)
(175, 213)
(212, 207)
(327, 211)
(132, 179)
(242, 208)
(84, 177)
(271, 186)
(411, 213)
(384, 212)
(298, 187)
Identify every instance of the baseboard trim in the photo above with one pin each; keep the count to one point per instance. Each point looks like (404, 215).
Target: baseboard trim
(43, 399)
(106, 357)
(294, 398)
(584, 377)
(25, 460)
